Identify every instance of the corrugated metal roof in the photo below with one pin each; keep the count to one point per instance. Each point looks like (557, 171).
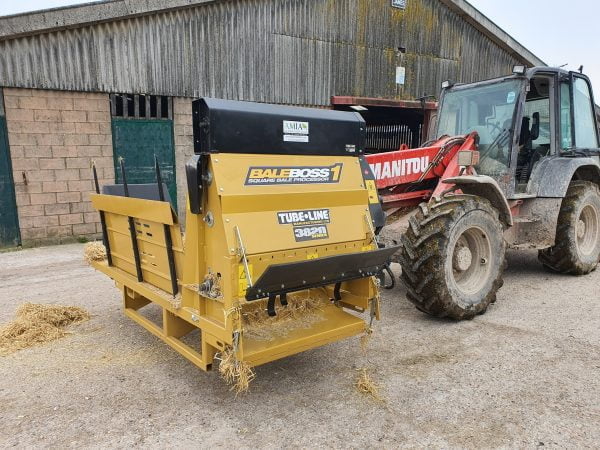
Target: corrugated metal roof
(282, 51)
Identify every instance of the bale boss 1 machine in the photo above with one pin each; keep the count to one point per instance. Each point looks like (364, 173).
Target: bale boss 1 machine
(282, 212)
(283, 206)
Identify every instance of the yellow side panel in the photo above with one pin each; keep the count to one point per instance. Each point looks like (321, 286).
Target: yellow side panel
(150, 237)
(135, 207)
(254, 191)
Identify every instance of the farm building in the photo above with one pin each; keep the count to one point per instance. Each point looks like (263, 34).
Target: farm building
(113, 79)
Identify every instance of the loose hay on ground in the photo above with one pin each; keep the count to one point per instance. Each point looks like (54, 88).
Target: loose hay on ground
(94, 251)
(37, 324)
(365, 385)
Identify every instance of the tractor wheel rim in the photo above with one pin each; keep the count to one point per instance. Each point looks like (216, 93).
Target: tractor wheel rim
(587, 230)
(471, 260)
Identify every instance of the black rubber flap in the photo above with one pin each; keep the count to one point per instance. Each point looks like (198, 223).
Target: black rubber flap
(283, 278)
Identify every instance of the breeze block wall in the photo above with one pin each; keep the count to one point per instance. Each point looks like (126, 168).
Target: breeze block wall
(184, 148)
(54, 136)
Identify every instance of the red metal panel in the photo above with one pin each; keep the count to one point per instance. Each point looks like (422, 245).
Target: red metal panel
(401, 166)
(404, 170)
(368, 101)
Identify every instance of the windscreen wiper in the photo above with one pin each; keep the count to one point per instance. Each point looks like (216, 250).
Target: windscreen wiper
(500, 141)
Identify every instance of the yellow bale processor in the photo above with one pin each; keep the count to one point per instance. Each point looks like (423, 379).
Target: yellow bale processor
(281, 217)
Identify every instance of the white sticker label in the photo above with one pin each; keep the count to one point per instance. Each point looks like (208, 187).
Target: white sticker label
(294, 138)
(510, 98)
(400, 75)
(293, 127)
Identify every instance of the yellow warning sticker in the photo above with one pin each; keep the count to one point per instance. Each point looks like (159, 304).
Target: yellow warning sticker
(313, 255)
(372, 190)
(366, 248)
(242, 280)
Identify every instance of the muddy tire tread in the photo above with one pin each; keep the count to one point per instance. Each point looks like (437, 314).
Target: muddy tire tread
(422, 264)
(562, 257)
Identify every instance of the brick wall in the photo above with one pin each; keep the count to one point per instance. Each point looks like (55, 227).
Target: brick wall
(184, 148)
(53, 138)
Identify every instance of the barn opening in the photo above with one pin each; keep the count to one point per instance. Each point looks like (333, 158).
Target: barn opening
(391, 124)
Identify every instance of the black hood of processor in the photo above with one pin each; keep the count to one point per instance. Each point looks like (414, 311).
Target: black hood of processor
(228, 126)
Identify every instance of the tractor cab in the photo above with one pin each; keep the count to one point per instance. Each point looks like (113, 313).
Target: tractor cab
(520, 119)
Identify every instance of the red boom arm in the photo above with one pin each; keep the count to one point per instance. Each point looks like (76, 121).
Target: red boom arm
(407, 177)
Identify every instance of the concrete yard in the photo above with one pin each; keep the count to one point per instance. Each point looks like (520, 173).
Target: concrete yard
(525, 374)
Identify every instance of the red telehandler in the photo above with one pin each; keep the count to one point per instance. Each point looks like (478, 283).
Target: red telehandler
(515, 162)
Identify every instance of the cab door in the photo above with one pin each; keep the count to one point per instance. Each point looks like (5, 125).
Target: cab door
(537, 137)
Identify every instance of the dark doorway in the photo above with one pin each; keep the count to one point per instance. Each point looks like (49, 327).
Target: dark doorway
(391, 124)
(142, 126)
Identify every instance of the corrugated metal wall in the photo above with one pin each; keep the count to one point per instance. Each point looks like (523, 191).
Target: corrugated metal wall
(284, 51)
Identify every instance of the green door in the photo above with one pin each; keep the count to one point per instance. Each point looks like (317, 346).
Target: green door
(9, 220)
(137, 141)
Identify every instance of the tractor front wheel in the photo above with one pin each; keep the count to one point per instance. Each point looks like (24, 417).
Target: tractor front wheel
(577, 247)
(452, 257)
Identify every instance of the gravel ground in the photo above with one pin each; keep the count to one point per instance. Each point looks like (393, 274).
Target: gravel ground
(525, 374)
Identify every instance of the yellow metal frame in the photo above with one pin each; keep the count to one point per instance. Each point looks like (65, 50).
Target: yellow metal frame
(212, 247)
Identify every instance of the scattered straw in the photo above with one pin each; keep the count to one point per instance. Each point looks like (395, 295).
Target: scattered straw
(365, 385)
(94, 251)
(366, 338)
(237, 374)
(37, 324)
(302, 311)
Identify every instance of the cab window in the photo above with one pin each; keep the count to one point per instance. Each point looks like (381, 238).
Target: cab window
(585, 128)
(566, 137)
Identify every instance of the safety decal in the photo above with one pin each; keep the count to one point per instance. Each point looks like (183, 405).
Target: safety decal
(310, 233)
(242, 280)
(261, 175)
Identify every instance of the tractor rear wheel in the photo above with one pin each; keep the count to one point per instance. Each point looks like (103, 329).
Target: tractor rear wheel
(577, 247)
(452, 256)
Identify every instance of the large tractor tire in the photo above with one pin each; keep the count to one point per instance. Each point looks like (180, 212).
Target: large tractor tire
(452, 257)
(577, 247)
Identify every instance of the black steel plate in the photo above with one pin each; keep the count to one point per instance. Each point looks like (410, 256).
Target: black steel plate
(296, 276)
(148, 191)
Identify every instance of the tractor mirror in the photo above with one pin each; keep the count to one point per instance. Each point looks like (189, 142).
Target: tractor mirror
(535, 126)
